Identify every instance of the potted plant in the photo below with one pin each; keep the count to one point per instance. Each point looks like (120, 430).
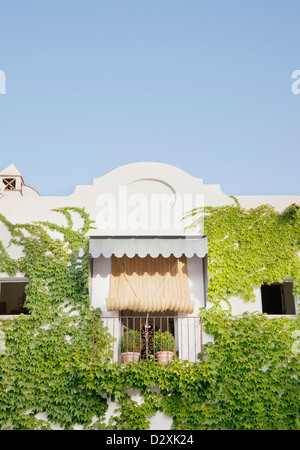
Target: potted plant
(130, 346)
(164, 347)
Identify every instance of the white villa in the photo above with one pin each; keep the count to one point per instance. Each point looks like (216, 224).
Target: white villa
(143, 259)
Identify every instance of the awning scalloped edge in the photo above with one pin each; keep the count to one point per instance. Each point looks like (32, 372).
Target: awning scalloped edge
(143, 247)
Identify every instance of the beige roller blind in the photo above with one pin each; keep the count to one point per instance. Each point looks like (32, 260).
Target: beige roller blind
(149, 284)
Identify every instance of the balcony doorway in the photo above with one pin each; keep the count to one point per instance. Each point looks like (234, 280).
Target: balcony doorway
(147, 325)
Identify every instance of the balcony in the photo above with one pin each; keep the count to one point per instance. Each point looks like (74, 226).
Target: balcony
(145, 336)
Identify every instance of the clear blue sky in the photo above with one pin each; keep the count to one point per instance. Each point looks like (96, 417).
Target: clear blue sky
(202, 85)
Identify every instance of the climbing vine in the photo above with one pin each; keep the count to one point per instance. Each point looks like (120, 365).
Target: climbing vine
(249, 246)
(43, 350)
(249, 378)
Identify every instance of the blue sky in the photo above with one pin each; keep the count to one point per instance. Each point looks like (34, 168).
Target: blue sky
(202, 85)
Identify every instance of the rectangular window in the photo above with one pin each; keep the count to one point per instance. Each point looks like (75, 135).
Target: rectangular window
(12, 298)
(278, 299)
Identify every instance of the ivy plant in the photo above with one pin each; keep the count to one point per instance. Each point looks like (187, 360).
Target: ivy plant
(52, 374)
(247, 247)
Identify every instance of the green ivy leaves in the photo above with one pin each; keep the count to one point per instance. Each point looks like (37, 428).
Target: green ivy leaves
(249, 378)
(248, 247)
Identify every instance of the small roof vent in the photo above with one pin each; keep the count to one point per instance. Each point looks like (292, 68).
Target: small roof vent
(11, 180)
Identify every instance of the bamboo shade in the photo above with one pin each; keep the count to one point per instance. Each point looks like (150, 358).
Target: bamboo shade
(149, 284)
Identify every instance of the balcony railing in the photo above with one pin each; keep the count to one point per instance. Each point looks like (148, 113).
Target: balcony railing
(144, 336)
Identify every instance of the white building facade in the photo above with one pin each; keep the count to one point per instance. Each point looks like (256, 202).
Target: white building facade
(138, 211)
(145, 263)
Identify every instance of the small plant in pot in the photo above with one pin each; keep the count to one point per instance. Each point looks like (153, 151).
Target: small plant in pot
(130, 346)
(164, 347)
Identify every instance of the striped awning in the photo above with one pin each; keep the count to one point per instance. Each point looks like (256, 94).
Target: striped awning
(145, 245)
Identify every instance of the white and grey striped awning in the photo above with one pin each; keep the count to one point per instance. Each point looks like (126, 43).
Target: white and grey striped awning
(148, 245)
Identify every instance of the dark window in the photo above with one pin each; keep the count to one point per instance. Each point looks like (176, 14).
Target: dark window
(9, 183)
(12, 298)
(278, 298)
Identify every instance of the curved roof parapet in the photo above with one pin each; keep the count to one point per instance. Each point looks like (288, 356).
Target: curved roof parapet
(28, 190)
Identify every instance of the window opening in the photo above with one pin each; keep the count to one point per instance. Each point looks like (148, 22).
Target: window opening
(278, 299)
(12, 298)
(147, 325)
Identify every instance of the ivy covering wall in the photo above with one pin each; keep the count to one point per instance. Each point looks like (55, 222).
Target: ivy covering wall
(249, 378)
(248, 247)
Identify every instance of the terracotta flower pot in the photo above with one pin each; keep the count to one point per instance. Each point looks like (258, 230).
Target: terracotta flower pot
(164, 357)
(130, 356)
